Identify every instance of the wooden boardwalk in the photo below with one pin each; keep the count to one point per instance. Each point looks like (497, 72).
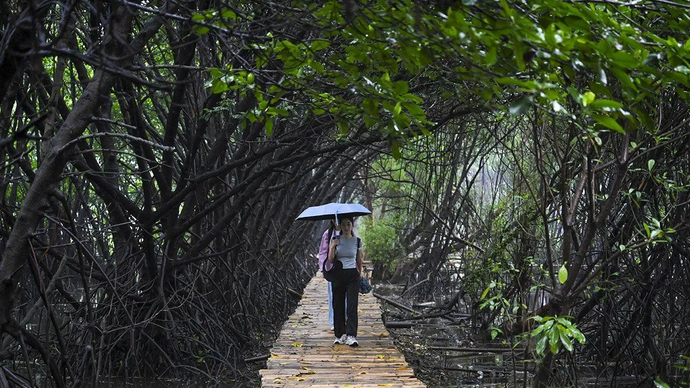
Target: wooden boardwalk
(304, 354)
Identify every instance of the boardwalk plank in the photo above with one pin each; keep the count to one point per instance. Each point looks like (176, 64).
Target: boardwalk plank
(304, 354)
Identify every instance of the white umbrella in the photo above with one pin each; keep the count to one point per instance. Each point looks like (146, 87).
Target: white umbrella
(333, 210)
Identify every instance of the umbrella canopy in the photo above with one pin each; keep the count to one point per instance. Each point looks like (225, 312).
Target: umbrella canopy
(333, 210)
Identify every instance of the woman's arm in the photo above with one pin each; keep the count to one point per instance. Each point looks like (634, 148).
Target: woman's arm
(360, 261)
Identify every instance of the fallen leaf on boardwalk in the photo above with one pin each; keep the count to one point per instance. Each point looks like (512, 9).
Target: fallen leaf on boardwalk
(402, 368)
(277, 381)
(380, 356)
(296, 344)
(362, 373)
(386, 385)
(306, 363)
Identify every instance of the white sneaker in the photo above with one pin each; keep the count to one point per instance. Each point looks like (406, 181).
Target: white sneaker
(352, 341)
(340, 340)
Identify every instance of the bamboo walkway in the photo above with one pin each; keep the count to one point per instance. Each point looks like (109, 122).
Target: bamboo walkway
(304, 354)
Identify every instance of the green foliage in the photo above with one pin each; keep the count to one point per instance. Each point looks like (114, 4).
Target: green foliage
(591, 65)
(383, 241)
(556, 332)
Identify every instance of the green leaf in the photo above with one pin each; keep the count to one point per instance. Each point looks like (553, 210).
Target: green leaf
(587, 98)
(228, 14)
(486, 292)
(401, 87)
(602, 76)
(526, 85)
(577, 334)
(520, 106)
(200, 30)
(661, 384)
(625, 60)
(624, 78)
(319, 45)
(554, 340)
(395, 149)
(563, 274)
(604, 103)
(565, 340)
(608, 122)
(541, 345)
(218, 86)
(490, 56)
(650, 164)
(269, 126)
(415, 110)
(343, 126)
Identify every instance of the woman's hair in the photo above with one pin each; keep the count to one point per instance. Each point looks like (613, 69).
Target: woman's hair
(331, 229)
(347, 218)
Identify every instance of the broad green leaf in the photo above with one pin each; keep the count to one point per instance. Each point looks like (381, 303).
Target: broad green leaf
(624, 78)
(520, 106)
(400, 87)
(604, 103)
(228, 14)
(650, 164)
(200, 30)
(218, 86)
(554, 340)
(565, 340)
(608, 122)
(587, 98)
(563, 274)
(269, 126)
(395, 149)
(577, 334)
(415, 110)
(319, 45)
(541, 345)
(625, 60)
(343, 126)
(490, 56)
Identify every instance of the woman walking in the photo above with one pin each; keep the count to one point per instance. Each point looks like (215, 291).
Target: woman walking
(347, 249)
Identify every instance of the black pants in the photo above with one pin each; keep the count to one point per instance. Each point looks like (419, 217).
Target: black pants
(346, 285)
